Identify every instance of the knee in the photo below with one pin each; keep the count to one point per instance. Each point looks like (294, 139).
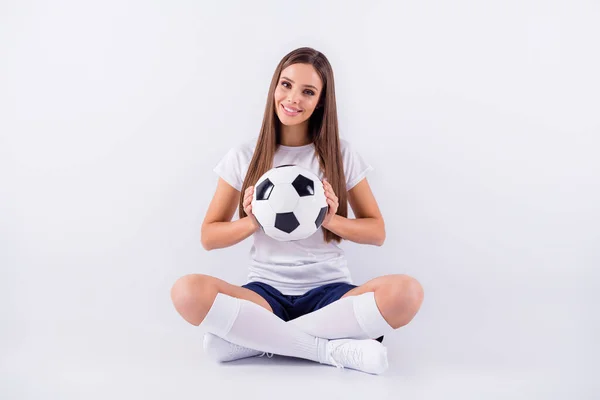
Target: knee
(193, 295)
(404, 295)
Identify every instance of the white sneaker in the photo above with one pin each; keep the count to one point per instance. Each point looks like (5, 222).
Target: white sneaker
(221, 350)
(363, 355)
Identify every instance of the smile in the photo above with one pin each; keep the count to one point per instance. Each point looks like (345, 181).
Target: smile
(290, 112)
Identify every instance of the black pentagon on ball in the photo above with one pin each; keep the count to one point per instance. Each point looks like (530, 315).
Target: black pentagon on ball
(286, 222)
(304, 186)
(321, 216)
(285, 165)
(264, 189)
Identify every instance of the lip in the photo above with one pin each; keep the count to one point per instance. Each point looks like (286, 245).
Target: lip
(289, 113)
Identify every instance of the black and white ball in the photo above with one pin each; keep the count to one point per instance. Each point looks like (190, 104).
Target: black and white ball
(289, 203)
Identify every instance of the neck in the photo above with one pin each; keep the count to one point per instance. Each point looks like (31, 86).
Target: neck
(296, 135)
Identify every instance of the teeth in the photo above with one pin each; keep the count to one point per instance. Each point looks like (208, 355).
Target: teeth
(287, 109)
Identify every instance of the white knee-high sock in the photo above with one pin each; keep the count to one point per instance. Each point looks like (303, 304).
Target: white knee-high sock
(355, 317)
(247, 324)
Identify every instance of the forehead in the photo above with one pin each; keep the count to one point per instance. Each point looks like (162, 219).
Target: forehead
(302, 74)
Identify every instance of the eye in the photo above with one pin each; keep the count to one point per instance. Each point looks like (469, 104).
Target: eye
(309, 92)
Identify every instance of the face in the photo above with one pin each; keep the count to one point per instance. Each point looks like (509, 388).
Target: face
(299, 90)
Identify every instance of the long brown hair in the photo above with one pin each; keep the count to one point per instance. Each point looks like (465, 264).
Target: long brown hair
(322, 130)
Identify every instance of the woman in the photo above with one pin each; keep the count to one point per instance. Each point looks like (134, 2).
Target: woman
(299, 300)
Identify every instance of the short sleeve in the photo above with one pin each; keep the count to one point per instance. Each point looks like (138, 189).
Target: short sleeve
(230, 169)
(355, 166)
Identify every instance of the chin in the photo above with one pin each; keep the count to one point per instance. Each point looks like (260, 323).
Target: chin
(288, 124)
(285, 120)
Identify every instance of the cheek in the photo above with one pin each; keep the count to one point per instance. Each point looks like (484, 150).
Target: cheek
(278, 95)
(310, 107)
(314, 100)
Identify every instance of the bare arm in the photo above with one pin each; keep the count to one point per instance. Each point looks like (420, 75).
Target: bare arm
(218, 231)
(368, 227)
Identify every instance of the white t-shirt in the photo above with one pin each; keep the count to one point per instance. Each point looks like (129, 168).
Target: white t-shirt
(294, 267)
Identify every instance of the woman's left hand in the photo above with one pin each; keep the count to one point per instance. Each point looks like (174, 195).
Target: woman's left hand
(332, 202)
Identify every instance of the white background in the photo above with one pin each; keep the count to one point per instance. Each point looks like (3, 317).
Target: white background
(480, 118)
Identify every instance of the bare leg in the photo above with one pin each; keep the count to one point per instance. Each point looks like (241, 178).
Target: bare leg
(194, 294)
(398, 297)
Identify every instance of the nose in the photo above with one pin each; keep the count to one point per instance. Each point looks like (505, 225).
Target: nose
(292, 98)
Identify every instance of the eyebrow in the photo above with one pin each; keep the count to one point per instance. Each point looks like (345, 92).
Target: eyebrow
(310, 86)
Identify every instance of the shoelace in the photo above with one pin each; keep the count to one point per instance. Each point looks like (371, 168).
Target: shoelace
(269, 355)
(345, 355)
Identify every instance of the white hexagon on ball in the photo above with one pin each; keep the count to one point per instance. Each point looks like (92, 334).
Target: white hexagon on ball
(289, 203)
(284, 198)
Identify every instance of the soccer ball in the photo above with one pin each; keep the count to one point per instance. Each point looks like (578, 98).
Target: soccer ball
(289, 203)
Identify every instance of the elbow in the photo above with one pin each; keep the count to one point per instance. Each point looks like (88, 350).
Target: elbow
(381, 236)
(205, 245)
(204, 240)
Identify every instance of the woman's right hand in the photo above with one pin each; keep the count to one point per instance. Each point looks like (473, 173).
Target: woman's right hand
(247, 204)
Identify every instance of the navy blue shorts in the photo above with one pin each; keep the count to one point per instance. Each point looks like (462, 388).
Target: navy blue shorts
(289, 307)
